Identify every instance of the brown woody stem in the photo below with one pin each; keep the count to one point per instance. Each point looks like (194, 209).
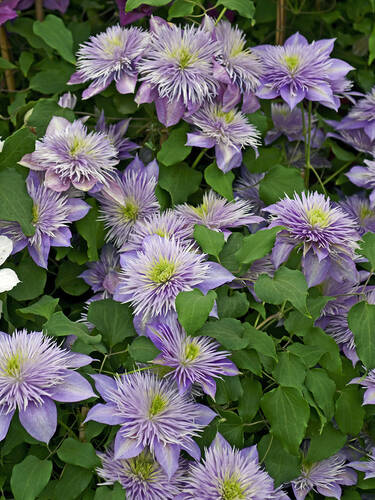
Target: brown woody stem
(5, 54)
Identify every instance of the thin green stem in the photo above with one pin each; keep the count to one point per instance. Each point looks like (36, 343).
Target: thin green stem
(199, 157)
(221, 15)
(341, 169)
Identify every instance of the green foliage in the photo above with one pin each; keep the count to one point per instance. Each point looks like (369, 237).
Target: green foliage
(211, 242)
(60, 326)
(55, 34)
(257, 245)
(76, 453)
(278, 182)
(219, 181)
(361, 320)
(193, 308)
(15, 146)
(173, 150)
(180, 181)
(29, 478)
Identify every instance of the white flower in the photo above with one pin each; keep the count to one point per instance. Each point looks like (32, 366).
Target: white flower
(8, 278)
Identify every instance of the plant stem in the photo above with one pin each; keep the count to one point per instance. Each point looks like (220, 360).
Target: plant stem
(221, 15)
(341, 169)
(39, 14)
(280, 22)
(5, 54)
(307, 134)
(199, 157)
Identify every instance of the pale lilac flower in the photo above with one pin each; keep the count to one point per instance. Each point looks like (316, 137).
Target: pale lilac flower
(258, 267)
(218, 214)
(326, 234)
(325, 477)
(367, 382)
(359, 209)
(60, 5)
(167, 225)
(8, 10)
(153, 277)
(246, 187)
(362, 115)
(34, 372)
(193, 360)
(299, 70)
(336, 326)
(366, 466)
(357, 139)
(136, 14)
(142, 477)
(70, 155)
(128, 198)
(236, 66)
(151, 413)
(177, 71)
(227, 473)
(364, 177)
(115, 133)
(67, 100)
(110, 56)
(227, 131)
(103, 276)
(52, 214)
(8, 278)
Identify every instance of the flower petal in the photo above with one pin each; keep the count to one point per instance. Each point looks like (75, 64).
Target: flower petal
(74, 388)
(40, 421)
(167, 455)
(126, 447)
(6, 247)
(8, 280)
(5, 419)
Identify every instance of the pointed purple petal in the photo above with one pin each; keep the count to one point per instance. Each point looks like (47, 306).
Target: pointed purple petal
(167, 455)
(5, 420)
(77, 209)
(40, 421)
(104, 385)
(105, 414)
(206, 415)
(217, 276)
(126, 84)
(126, 447)
(74, 388)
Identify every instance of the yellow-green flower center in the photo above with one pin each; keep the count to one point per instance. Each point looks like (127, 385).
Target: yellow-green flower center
(232, 490)
(77, 146)
(238, 49)
(227, 116)
(143, 466)
(292, 62)
(191, 351)
(13, 366)
(365, 212)
(161, 233)
(157, 405)
(201, 210)
(35, 213)
(162, 271)
(184, 57)
(318, 217)
(130, 211)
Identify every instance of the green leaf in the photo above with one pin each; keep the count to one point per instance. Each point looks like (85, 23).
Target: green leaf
(259, 341)
(245, 8)
(289, 371)
(257, 245)
(350, 413)
(361, 320)
(92, 230)
(173, 150)
(371, 46)
(368, 248)
(193, 308)
(341, 153)
(30, 477)
(230, 303)
(61, 326)
(15, 202)
(231, 427)
(268, 158)
(55, 34)
(227, 255)
(24, 27)
(247, 359)
(5, 64)
(180, 181)
(329, 442)
(113, 319)
(288, 414)
(323, 388)
(105, 493)
(25, 61)
(133, 4)
(33, 280)
(76, 453)
(73, 482)
(51, 81)
(330, 360)
(228, 389)
(249, 403)
(15, 146)
(278, 182)
(42, 113)
(143, 350)
(210, 241)
(68, 279)
(281, 465)
(219, 181)
(44, 307)
(310, 355)
(287, 284)
(227, 331)
(180, 8)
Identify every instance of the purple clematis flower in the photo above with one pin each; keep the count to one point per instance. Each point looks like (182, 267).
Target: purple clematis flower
(236, 67)
(60, 5)
(151, 413)
(110, 56)
(299, 70)
(227, 131)
(246, 187)
(67, 100)
(218, 214)
(8, 10)
(359, 209)
(103, 276)
(326, 477)
(362, 116)
(136, 14)
(167, 225)
(177, 71)
(193, 360)
(35, 372)
(70, 155)
(128, 198)
(227, 473)
(52, 213)
(366, 466)
(364, 177)
(357, 139)
(326, 234)
(153, 277)
(142, 477)
(115, 133)
(368, 382)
